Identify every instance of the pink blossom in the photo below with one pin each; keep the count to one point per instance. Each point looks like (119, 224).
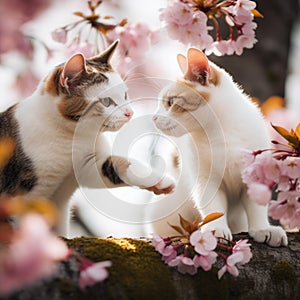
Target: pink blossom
(204, 242)
(286, 208)
(91, 273)
(167, 251)
(177, 13)
(205, 261)
(60, 35)
(186, 25)
(85, 47)
(260, 193)
(184, 264)
(231, 261)
(271, 167)
(291, 167)
(31, 255)
(242, 246)
(248, 157)
(284, 183)
(254, 173)
(242, 42)
(26, 82)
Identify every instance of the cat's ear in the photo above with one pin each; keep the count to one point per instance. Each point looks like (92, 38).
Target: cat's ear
(73, 68)
(198, 66)
(106, 55)
(182, 62)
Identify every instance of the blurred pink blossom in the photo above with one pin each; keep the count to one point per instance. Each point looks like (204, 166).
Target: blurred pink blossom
(60, 35)
(242, 246)
(26, 82)
(14, 14)
(91, 273)
(31, 255)
(205, 261)
(260, 193)
(229, 266)
(184, 265)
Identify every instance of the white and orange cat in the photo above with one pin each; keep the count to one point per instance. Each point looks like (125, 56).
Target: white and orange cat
(81, 98)
(221, 120)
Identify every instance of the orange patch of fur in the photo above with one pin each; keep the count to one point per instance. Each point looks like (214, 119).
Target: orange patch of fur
(72, 108)
(214, 76)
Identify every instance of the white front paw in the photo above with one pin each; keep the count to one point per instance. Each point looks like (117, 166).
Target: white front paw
(222, 231)
(164, 186)
(275, 236)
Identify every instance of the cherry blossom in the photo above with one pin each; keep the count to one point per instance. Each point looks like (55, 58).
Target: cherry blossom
(191, 22)
(242, 246)
(276, 170)
(91, 273)
(205, 261)
(230, 267)
(184, 265)
(194, 249)
(204, 242)
(31, 255)
(260, 193)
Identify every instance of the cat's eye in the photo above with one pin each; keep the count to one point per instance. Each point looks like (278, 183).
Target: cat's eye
(107, 101)
(170, 101)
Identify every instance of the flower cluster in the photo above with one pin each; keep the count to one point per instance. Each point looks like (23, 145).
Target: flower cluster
(135, 38)
(194, 249)
(273, 177)
(190, 22)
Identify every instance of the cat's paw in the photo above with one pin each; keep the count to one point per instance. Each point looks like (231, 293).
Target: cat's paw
(275, 236)
(164, 186)
(219, 231)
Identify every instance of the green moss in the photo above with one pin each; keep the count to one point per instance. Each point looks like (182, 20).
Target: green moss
(136, 269)
(283, 271)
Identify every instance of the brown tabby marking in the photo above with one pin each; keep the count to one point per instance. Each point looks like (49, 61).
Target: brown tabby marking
(72, 103)
(18, 175)
(112, 172)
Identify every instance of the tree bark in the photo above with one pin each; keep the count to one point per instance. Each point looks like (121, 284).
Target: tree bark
(137, 272)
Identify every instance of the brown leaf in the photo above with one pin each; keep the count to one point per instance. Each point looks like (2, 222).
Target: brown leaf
(211, 217)
(256, 13)
(289, 136)
(177, 228)
(185, 224)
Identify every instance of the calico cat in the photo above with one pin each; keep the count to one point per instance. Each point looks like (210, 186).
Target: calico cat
(222, 121)
(81, 98)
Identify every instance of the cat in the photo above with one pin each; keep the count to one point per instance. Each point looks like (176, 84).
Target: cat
(221, 120)
(59, 133)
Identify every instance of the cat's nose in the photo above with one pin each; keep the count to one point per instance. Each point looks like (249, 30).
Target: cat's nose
(128, 113)
(154, 118)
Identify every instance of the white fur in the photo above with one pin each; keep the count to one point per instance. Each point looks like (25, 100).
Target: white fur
(66, 154)
(221, 128)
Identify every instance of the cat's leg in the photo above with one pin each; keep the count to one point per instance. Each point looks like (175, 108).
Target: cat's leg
(258, 225)
(217, 204)
(61, 199)
(117, 171)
